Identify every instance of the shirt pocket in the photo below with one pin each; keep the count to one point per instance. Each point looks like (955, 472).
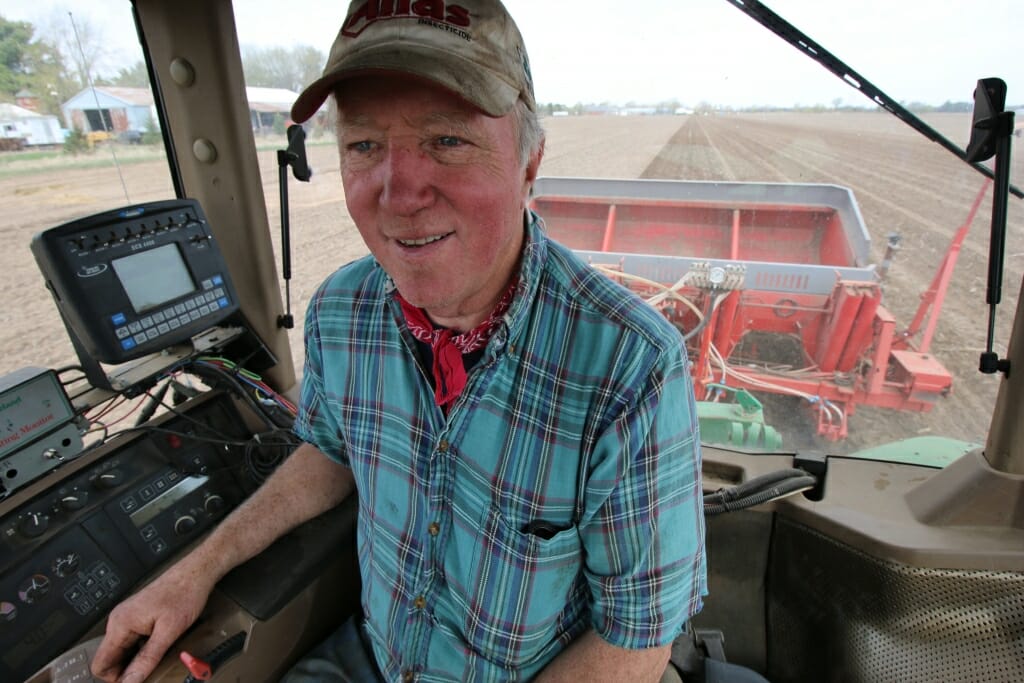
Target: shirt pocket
(525, 591)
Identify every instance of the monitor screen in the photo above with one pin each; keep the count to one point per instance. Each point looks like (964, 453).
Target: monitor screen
(152, 278)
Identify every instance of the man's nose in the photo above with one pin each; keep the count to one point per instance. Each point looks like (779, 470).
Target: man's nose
(406, 180)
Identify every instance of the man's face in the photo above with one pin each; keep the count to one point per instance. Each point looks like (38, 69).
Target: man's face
(437, 191)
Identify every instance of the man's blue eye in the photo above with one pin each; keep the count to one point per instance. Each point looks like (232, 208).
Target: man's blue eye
(361, 146)
(449, 141)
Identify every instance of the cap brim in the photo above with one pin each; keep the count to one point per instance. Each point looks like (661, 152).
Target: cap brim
(472, 82)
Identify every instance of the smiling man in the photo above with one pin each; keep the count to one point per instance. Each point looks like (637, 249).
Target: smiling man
(520, 431)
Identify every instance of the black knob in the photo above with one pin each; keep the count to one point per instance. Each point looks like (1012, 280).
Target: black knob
(65, 565)
(184, 524)
(213, 504)
(34, 525)
(75, 500)
(109, 479)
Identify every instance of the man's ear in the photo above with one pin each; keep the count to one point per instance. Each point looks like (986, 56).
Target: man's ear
(532, 167)
(533, 163)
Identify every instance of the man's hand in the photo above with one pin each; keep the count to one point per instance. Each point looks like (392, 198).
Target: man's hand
(159, 613)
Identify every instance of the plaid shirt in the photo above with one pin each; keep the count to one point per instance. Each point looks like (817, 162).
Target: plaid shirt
(561, 492)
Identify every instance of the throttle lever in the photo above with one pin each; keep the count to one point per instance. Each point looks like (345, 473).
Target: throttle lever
(198, 670)
(202, 669)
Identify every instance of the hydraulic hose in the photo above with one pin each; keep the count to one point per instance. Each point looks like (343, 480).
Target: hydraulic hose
(757, 491)
(753, 485)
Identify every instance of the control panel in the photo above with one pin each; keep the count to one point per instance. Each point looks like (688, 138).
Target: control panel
(72, 549)
(136, 280)
(38, 431)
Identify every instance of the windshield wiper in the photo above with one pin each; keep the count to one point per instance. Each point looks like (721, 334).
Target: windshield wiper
(798, 39)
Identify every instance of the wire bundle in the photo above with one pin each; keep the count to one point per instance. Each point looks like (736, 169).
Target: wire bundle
(759, 490)
(263, 451)
(829, 410)
(262, 392)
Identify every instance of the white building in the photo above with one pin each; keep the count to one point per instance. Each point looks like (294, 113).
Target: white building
(267, 104)
(34, 128)
(119, 109)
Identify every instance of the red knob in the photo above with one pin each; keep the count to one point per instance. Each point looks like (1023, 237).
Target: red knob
(199, 669)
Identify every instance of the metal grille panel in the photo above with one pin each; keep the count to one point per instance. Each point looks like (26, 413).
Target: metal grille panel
(837, 614)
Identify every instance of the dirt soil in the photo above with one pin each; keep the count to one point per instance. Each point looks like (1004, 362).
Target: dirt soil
(902, 183)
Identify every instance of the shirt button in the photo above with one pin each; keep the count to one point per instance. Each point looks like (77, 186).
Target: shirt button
(434, 529)
(420, 602)
(408, 676)
(443, 446)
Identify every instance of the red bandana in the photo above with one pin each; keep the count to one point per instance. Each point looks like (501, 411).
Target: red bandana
(448, 347)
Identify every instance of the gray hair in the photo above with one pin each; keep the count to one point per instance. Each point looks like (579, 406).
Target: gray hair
(528, 130)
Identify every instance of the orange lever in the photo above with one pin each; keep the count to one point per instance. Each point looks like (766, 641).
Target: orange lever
(199, 669)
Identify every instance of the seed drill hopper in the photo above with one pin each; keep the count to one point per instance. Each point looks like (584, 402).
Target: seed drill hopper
(770, 284)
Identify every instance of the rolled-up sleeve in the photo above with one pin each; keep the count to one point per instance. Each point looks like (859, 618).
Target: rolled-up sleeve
(314, 423)
(643, 524)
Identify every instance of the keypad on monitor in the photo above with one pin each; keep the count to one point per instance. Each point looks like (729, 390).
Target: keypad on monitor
(171, 318)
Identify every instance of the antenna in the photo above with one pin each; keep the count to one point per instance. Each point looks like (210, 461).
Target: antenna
(294, 156)
(99, 109)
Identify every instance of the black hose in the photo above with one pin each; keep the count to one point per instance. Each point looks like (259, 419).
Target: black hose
(753, 485)
(704, 321)
(696, 330)
(153, 402)
(781, 490)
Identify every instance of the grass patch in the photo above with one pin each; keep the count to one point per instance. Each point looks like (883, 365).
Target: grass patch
(17, 164)
(29, 163)
(31, 155)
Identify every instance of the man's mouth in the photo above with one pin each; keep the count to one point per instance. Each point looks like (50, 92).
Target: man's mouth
(423, 241)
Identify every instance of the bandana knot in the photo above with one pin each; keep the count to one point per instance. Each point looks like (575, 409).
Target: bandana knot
(448, 346)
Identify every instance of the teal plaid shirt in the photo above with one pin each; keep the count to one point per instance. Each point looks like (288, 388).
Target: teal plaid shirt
(561, 492)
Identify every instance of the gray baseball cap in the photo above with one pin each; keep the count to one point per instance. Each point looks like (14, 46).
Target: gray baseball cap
(471, 47)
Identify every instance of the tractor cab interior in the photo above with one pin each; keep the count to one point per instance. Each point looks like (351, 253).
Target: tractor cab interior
(889, 562)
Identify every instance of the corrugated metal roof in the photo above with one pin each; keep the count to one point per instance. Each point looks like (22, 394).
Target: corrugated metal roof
(260, 99)
(271, 96)
(138, 96)
(13, 111)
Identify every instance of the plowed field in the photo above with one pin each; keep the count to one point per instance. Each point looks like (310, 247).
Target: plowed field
(902, 183)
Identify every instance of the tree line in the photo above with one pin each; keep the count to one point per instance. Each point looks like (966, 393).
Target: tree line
(53, 64)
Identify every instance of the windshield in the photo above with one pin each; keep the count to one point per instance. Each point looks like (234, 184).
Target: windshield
(694, 91)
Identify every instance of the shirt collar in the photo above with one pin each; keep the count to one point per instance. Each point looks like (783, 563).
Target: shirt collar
(531, 265)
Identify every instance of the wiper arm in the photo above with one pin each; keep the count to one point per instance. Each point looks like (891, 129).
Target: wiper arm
(798, 39)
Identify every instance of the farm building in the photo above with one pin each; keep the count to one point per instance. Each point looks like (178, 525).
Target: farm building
(110, 109)
(267, 104)
(131, 109)
(32, 127)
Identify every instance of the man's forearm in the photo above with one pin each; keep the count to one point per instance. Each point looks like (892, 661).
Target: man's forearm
(303, 486)
(589, 658)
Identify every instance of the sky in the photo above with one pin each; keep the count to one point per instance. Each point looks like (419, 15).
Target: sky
(692, 51)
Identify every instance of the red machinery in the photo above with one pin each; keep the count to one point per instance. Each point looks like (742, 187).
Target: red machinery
(770, 284)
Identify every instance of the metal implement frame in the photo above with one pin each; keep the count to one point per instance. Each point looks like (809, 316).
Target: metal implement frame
(792, 262)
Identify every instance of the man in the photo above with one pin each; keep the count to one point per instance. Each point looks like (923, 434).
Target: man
(520, 431)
